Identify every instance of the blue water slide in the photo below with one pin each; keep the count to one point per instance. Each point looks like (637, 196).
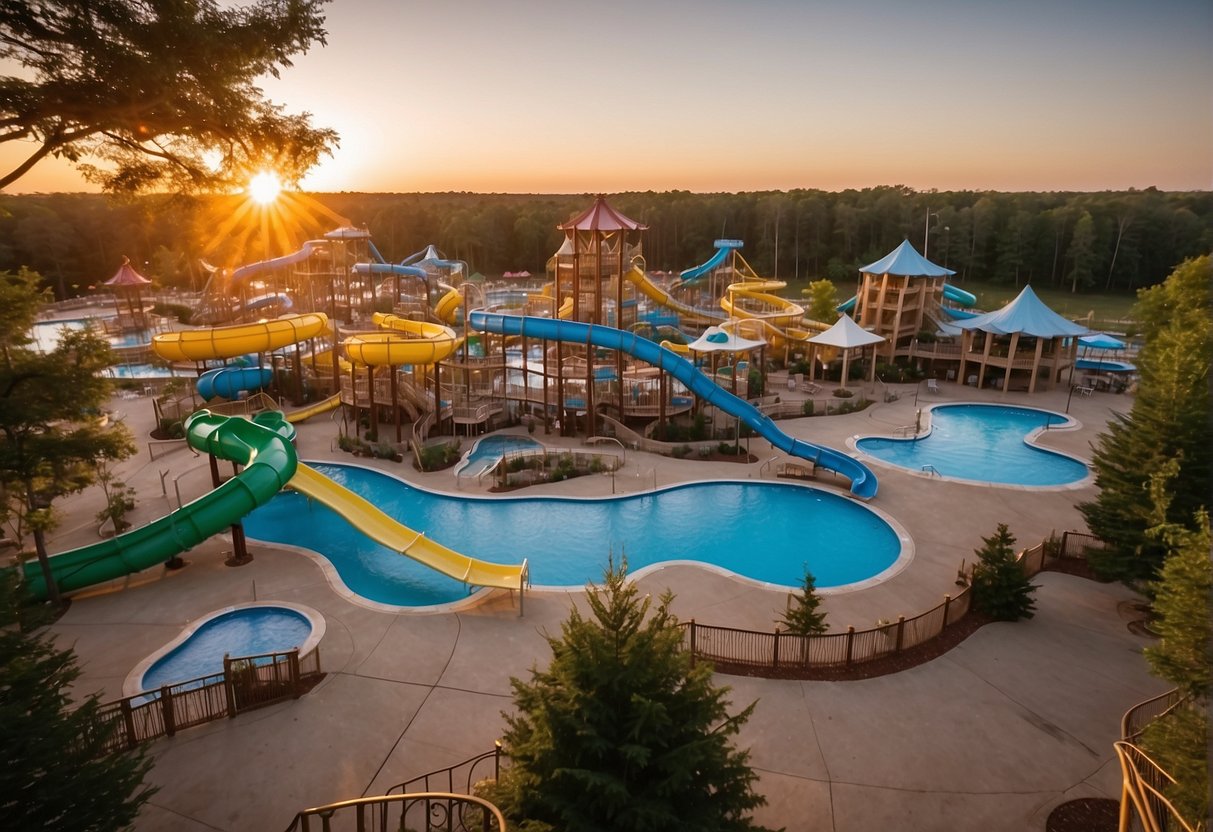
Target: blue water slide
(960, 296)
(723, 247)
(245, 272)
(379, 258)
(959, 314)
(847, 305)
(863, 481)
(390, 268)
(283, 301)
(229, 382)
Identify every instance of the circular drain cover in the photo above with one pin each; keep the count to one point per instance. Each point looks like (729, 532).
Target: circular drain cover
(1088, 814)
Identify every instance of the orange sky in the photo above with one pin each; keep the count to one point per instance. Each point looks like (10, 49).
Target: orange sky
(722, 96)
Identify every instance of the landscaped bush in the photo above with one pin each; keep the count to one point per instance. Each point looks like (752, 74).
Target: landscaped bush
(807, 407)
(437, 457)
(843, 393)
(680, 451)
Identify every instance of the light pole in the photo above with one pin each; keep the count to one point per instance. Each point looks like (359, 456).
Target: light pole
(926, 230)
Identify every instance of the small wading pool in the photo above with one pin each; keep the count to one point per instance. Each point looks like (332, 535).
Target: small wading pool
(247, 630)
(487, 451)
(764, 531)
(983, 443)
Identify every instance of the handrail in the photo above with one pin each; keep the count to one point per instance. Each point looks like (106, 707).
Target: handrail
(766, 465)
(1142, 784)
(438, 810)
(1131, 726)
(932, 470)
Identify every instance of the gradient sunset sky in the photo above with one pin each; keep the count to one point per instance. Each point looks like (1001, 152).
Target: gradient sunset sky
(572, 96)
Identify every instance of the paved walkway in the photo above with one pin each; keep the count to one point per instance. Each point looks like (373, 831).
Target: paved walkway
(990, 736)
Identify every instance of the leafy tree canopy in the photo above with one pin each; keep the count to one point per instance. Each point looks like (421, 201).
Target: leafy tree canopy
(160, 94)
(621, 732)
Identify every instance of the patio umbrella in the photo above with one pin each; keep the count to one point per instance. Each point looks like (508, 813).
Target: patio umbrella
(1100, 341)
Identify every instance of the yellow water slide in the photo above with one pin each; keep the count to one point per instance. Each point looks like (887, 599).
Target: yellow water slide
(783, 312)
(660, 296)
(323, 406)
(447, 304)
(239, 339)
(381, 528)
(404, 342)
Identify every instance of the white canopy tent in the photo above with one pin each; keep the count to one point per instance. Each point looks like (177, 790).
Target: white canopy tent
(846, 335)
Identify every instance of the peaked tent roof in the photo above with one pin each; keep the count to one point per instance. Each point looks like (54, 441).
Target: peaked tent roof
(127, 276)
(845, 333)
(715, 339)
(905, 260)
(1027, 315)
(1101, 341)
(601, 217)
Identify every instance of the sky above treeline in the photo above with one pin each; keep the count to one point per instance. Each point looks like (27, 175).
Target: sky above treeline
(708, 95)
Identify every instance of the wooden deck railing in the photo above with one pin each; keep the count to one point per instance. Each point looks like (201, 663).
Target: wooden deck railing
(782, 654)
(246, 683)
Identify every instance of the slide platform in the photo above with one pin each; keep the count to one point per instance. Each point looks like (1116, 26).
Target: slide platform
(863, 481)
(383, 529)
(269, 460)
(238, 339)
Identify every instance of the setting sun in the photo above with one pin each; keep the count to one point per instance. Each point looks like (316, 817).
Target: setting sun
(264, 188)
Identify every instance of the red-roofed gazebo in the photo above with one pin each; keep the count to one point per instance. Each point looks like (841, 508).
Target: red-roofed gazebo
(128, 283)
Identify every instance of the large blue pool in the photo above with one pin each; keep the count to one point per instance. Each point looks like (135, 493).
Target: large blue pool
(765, 531)
(984, 443)
(248, 631)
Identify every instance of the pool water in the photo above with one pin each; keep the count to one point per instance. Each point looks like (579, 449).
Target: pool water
(983, 443)
(46, 334)
(489, 450)
(767, 532)
(249, 631)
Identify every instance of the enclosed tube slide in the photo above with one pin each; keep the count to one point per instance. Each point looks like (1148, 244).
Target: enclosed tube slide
(238, 339)
(406, 342)
(230, 382)
(264, 450)
(863, 481)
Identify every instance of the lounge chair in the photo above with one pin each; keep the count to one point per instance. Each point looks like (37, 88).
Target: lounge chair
(932, 386)
(810, 388)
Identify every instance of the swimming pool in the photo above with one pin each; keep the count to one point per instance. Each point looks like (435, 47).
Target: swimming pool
(767, 532)
(46, 334)
(487, 451)
(246, 630)
(982, 443)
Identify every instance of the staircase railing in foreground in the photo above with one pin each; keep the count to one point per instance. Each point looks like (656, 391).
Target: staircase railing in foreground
(431, 811)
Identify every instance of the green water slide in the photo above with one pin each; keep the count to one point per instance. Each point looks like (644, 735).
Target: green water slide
(262, 446)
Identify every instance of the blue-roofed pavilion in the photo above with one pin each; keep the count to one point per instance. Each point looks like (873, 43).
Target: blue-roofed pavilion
(1025, 340)
(899, 296)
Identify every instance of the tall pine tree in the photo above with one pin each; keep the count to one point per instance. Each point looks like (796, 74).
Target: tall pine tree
(1169, 420)
(55, 774)
(802, 616)
(622, 732)
(1001, 590)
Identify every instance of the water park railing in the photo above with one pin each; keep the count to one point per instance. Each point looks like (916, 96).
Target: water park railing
(1144, 784)
(780, 654)
(247, 682)
(431, 811)
(459, 778)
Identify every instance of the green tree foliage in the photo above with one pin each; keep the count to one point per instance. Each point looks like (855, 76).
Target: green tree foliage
(1001, 590)
(1182, 607)
(621, 732)
(1169, 421)
(50, 436)
(156, 93)
(823, 297)
(802, 615)
(821, 234)
(55, 774)
(1177, 740)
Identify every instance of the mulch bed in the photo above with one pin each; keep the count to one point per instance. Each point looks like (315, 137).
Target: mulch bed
(1088, 814)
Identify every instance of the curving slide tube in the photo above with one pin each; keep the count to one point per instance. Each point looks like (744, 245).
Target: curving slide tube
(261, 446)
(863, 481)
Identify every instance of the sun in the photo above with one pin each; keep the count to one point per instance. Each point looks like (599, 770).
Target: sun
(264, 188)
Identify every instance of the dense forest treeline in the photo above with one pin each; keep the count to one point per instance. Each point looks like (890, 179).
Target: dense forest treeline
(1105, 241)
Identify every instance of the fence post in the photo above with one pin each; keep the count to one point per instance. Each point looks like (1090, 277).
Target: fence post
(128, 719)
(947, 602)
(901, 626)
(776, 655)
(229, 692)
(850, 643)
(166, 706)
(1065, 548)
(293, 664)
(692, 642)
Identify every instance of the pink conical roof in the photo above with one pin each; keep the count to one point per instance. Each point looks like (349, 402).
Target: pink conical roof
(601, 217)
(127, 276)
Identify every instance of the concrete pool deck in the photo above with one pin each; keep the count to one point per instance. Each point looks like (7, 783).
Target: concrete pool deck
(992, 735)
